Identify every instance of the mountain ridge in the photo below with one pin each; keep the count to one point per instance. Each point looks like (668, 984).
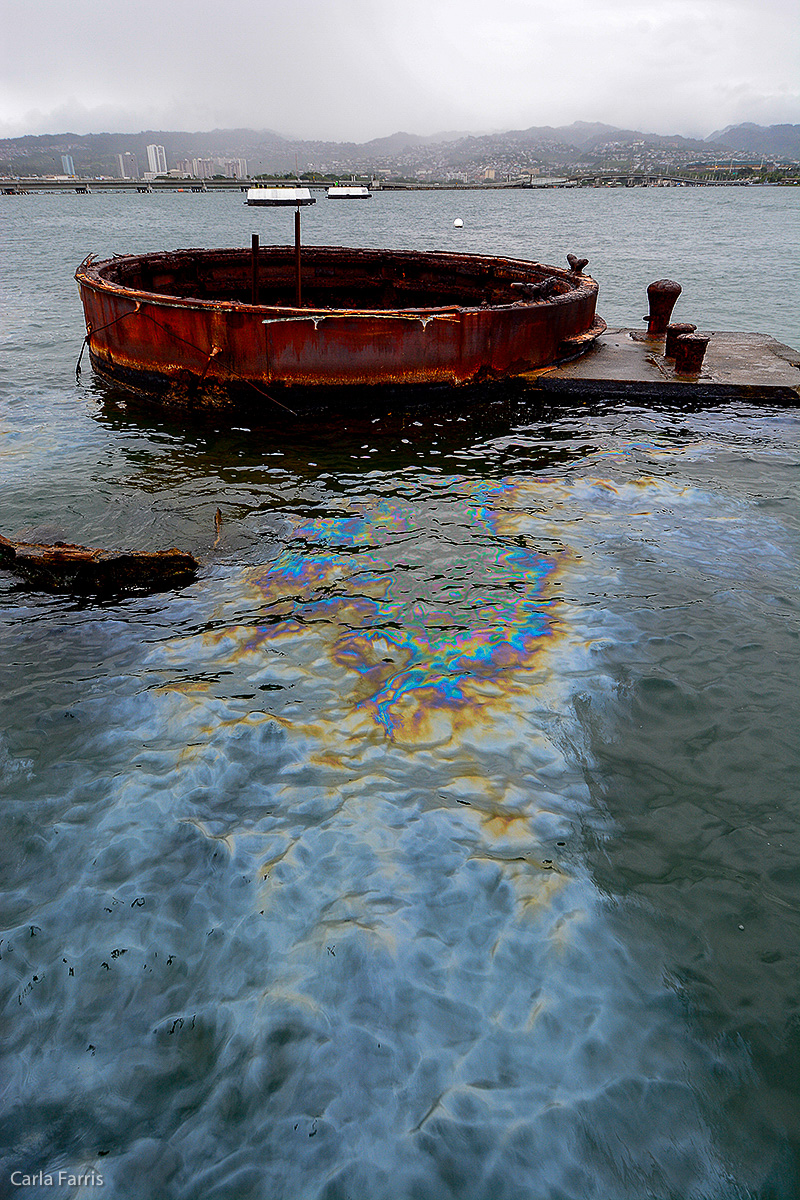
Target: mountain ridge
(267, 150)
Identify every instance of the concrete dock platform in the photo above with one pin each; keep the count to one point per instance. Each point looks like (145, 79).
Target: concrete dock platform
(744, 365)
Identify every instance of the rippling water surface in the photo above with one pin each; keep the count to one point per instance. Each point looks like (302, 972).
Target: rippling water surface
(441, 840)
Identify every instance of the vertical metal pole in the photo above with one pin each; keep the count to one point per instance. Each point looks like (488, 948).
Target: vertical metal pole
(254, 265)
(297, 257)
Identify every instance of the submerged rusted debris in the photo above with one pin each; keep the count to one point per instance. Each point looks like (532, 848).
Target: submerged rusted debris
(62, 567)
(537, 291)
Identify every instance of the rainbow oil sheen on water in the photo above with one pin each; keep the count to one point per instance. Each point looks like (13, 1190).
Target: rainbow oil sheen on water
(441, 840)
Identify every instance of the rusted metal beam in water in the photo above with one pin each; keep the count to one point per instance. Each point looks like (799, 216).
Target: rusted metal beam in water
(298, 295)
(254, 269)
(62, 567)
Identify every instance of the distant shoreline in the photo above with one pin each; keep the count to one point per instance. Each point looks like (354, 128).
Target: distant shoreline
(13, 185)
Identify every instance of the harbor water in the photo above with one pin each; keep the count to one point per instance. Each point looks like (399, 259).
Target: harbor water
(441, 840)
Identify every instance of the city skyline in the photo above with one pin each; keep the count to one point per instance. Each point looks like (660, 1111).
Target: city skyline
(583, 147)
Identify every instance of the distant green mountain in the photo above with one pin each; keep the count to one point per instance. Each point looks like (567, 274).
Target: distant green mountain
(773, 141)
(267, 151)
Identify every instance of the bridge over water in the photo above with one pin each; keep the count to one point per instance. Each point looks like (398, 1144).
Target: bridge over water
(22, 185)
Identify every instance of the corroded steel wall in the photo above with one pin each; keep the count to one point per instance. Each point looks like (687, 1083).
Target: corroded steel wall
(174, 341)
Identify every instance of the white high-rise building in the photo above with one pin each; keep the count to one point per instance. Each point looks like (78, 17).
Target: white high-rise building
(157, 160)
(128, 166)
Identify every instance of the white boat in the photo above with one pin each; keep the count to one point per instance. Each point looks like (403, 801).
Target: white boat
(339, 192)
(280, 196)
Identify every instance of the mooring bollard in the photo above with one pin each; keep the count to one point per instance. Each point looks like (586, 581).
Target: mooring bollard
(661, 297)
(673, 333)
(689, 352)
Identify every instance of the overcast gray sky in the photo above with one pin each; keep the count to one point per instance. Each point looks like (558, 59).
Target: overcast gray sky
(358, 69)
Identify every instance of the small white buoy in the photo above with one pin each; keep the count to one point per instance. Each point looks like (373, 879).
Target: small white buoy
(458, 223)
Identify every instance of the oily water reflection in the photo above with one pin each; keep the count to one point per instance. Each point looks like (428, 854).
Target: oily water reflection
(441, 839)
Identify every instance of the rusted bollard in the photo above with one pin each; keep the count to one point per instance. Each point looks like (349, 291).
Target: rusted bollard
(661, 297)
(673, 333)
(577, 264)
(689, 352)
